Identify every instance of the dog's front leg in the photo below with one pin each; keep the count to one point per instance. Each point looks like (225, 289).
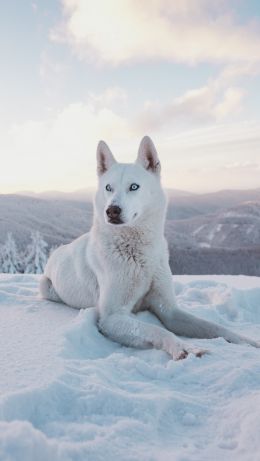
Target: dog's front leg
(162, 303)
(127, 330)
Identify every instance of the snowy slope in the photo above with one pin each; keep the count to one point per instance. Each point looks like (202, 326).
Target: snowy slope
(59, 221)
(68, 393)
(237, 227)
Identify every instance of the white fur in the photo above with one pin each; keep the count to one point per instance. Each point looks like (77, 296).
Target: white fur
(123, 268)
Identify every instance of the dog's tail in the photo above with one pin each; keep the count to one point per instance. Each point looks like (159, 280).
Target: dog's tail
(47, 290)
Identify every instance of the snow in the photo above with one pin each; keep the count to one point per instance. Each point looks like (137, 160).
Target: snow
(204, 245)
(249, 229)
(197, 231)
(213, 232)
(68, 393)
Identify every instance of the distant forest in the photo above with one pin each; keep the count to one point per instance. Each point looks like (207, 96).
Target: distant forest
(201, 261)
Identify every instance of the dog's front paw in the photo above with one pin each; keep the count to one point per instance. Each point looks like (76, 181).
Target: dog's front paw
(181, 355)
(199, 352)
(249, 341)
(185, 351)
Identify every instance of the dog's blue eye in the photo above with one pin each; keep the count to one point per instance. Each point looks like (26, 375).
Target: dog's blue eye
(134, 187)
(108, 188)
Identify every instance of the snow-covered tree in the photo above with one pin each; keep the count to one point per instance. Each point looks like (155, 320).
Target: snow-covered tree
(36, 254)
(10, 259)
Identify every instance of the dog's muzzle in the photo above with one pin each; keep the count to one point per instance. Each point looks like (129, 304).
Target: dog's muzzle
(113, 213)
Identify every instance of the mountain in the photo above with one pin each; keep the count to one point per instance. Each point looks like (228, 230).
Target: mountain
(59, 221)
(215, 201)
(78, 195)
(192, 221)
(205, 235)
(233, 228)
(181, 204)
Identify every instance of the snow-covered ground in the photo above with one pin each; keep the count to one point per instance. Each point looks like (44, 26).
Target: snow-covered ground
(68, 393)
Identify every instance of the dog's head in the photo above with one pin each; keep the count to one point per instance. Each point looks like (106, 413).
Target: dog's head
(127, 193)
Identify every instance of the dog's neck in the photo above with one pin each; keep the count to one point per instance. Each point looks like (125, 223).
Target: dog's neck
(146, 231)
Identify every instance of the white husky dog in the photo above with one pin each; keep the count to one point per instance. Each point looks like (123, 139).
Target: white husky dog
(121, 266)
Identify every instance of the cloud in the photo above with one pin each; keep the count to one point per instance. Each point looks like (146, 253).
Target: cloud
(58, 153)
(183, 31)
(204, 105)
(50, 67)
(230, 104)
(233, 72)
(109, 98)
(222, 156)
(242, 166)
(219, 137)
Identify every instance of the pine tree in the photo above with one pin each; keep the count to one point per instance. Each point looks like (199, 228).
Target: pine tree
(36, 254)
(10, 259)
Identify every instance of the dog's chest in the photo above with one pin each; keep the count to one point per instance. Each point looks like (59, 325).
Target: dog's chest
(126, 251)
(129, 252)
(126, 255)
(131, 249)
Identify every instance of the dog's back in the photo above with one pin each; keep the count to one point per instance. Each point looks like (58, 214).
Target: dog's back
(68, 278)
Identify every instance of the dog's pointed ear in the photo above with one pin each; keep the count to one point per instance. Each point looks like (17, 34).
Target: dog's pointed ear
(105, 158)
(148, 157)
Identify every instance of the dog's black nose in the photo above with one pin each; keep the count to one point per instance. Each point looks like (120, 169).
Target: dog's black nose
(113, 212)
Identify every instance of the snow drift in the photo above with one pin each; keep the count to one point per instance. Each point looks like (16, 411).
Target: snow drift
(68, 393)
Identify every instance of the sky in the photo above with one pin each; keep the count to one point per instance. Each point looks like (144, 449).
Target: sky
(186, 73)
